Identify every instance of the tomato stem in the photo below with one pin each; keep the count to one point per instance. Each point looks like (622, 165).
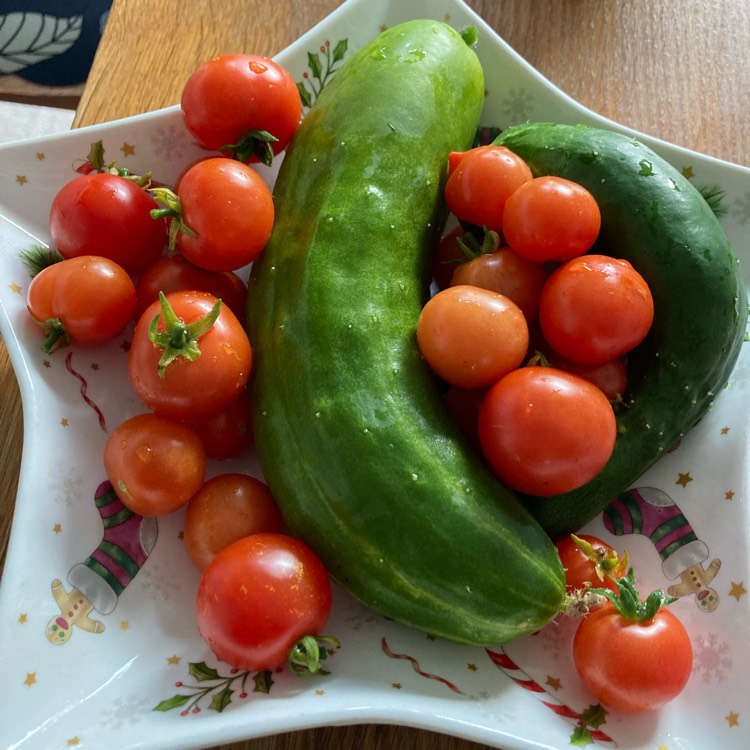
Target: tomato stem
(57, 336)
(179, 339)
(172, 210)
(308, 652)
(606, 561)
(253, 143)
(628, 601)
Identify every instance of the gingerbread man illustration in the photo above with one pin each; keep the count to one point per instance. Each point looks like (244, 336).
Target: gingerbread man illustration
(651, 512)
(98, 581)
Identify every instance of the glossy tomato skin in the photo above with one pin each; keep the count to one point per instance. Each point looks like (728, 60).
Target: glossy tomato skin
(580, 569)
(630, 666)
(228, 432)
(226, 508)
(471, 337)
(258, 597)
(154, 464)
(232, 94)
(229, 208)
(595, 308)
(93, 297)
(545, 431)
(191, 389)
(108, 215)
(174, 273)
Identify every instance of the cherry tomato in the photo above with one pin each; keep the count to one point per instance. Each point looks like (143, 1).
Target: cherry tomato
(551, 219)
(85, 300)
(259, 597)
(633, 658)
(229, 432)
(481, 183)
(545, 431)
(174, 273)
(189, 386)
(225, 509)
(108, 215)
(506, 273)
(154, 464)
(228, 210)
(611, 377)
(471, 337)
(589, 562)
(234, 99)
(595, 308)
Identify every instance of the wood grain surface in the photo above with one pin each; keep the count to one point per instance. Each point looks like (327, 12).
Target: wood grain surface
(679, 71)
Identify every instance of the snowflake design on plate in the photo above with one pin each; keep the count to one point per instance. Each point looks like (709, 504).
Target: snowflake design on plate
(741, 209)
(712, 658)
(519, 104)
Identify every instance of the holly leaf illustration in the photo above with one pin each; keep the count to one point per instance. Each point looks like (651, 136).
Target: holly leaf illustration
(202, 672)
(313, 62)
(174, 702)
(304, 94)
(263, 682)
(340, 50)
(594, 716)
(581, 737)
(221, 700)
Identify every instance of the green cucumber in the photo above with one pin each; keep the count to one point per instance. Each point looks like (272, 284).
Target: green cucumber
(352, 433)
(659, 222)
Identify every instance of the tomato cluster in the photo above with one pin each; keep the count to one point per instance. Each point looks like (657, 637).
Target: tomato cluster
(169, 260)
(528, 315)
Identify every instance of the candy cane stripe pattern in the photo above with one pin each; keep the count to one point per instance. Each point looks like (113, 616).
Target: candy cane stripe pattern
(501, 660)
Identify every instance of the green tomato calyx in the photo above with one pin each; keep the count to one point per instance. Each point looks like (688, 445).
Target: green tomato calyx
(309, 651)
(255, 143)
(628, 601)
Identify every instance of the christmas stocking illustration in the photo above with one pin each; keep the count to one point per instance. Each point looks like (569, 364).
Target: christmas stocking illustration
(651, 512)
(98, 581)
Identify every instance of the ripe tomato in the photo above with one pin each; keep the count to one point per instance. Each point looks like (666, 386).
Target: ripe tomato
(551, 219)
(248, 102)
(189, 370)
(155, 464)
(633, 657)
(481, 182)
(228, 211)
(471, 337)
(173, 273)
(506, 273)
(595, 308)
(261, 596)
(84, 300)
(105, 214)
(588, 562)
(225, 509)
(544, 431)
(229, 432)
(611, 377)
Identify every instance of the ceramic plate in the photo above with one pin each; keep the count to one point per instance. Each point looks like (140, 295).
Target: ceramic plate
(133, 672)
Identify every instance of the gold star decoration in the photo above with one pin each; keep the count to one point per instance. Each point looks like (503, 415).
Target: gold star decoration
(180, 534)
(320, 692)
(40, 156)
(23, 618)
(554, 682)
(683, 479)
(46, 363)
(64, 422)
(733, 719)
(737, 590)
(73, 742)
(15, 288)
(725, 430)
(57, 528)
(729, 495)
(94, 366)
(30, 679)
(127, 149)
(124, 625)
(471, 667)
(687, 172)
(21, 179)
(173, 659)
(396, 685)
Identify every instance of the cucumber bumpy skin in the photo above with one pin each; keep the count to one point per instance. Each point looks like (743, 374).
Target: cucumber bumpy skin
(352, 434)
(659, 222)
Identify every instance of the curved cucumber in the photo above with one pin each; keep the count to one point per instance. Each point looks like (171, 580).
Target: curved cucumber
(654, 218)
(352, 434)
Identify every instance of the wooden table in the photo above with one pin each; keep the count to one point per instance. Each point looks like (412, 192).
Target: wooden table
(679, 71)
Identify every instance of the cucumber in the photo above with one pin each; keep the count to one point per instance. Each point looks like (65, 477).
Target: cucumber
(352, 433)
(659, 222)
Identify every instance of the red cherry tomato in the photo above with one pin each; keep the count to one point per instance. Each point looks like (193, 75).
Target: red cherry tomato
(544, 431)
(154, 464)
(85, 300)
(259, 597)
(174, 273)
(481, 182)
(226, 508)
(108, 215)
(551, 219)
(233, 99)
(471, 337)
(611, 377)
(229, 211)
(595, 308)
(186, 387)
(229, 432)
